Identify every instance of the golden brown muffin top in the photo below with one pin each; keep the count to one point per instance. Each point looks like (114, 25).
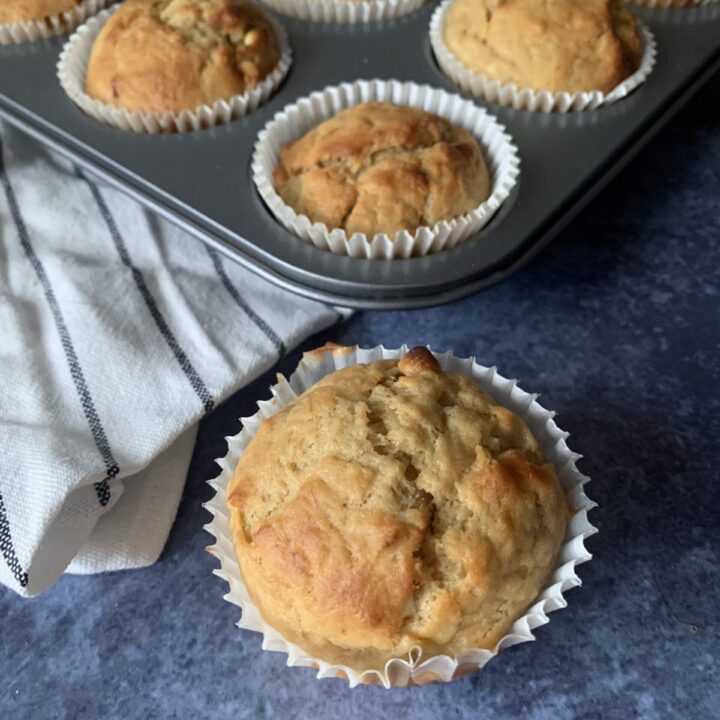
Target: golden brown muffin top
(392, 505)
(173, 55)
(12, 11)
(381, 168)
(553, 45)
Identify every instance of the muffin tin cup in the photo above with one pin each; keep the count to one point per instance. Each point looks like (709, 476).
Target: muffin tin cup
(499, 151)
(72, 71)
(347, 11)
(413, 669)
(21, 32)
(509, 95)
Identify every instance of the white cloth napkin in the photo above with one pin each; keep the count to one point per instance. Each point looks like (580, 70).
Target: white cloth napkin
(118, 332)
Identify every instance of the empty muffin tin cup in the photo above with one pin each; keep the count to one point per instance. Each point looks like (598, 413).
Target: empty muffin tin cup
(509, 95)
(344, 11)
(413, 669)
(72, 71)
(499, 152)
(47, 27)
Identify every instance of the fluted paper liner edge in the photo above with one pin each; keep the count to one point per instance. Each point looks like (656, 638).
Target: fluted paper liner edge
(293, 121)
(509, 95)
(413, 669)
(32, 30)
(72, 71)
(344, 11)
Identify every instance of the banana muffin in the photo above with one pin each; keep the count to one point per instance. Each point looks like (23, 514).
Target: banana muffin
(173, 55)
(382, 168)
(547, 45)
(12, 11)
(394, 505)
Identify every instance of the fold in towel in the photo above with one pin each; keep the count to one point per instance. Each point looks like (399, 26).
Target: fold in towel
(118, 332)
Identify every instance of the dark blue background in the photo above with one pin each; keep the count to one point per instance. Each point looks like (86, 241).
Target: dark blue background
(617, 325)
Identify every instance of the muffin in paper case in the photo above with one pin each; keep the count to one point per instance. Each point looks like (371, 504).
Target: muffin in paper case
(47, 27)
(72, 71)
(344, 11)
(509, 95)
(499, 151)
(413, 669)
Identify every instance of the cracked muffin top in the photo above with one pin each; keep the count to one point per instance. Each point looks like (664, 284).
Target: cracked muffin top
(12, 11)
(553, 45)
(381, 168)
(173, 55)
(394, 505)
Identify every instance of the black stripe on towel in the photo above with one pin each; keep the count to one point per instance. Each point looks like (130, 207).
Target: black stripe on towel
(96, 428)
(8, 550)
(191, 374)
(271, 335)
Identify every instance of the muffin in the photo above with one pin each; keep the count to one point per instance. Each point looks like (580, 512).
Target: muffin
(394, 505)
(13, 11)
(381, 168)
(546, 45)
(174, 55)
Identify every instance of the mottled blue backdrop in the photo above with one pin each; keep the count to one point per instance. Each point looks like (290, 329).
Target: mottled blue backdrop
(617, 325)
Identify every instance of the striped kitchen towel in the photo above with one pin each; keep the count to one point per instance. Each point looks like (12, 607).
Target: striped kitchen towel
(118, 332)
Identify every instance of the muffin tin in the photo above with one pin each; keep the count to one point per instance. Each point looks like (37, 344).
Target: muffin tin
(202, 180)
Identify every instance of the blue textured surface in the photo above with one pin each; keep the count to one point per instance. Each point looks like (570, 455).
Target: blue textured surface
(617, 325)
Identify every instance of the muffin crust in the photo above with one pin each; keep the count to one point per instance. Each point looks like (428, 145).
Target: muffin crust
(12, 11)
(553, 45)
(173, 55)
(381, 168)
(394, 505)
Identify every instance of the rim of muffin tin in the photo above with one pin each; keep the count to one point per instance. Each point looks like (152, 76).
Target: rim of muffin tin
(413, 669)
(72, 71)
(344, 11)
(510, 95)
(295, 119)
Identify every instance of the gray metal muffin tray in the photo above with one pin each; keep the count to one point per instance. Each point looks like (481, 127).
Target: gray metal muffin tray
(202, 180)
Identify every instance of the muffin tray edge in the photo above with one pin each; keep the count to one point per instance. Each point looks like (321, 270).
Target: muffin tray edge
(202, 180)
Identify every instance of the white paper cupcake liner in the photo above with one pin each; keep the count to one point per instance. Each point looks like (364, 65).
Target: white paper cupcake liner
(52, 25)
(499, 151)
(72, 71)
(414, 669)
(344, 11)
(509, 95)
